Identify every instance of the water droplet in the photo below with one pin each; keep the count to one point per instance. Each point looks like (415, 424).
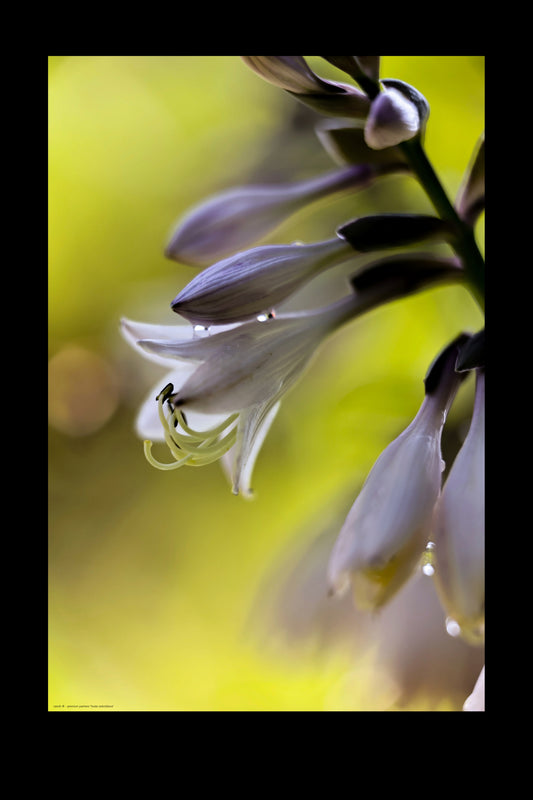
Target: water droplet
(266, 316)
(428, 559)
(442, 465)
(452, 627)
(200, 331)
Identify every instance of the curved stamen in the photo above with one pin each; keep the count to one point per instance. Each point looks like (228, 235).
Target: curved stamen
(203, 434)
(194, 448)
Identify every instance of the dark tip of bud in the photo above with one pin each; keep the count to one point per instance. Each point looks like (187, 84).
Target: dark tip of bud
(472, 355)
(445, 363)
(383, 231)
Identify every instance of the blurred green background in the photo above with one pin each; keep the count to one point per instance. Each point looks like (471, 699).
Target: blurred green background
(166, 592)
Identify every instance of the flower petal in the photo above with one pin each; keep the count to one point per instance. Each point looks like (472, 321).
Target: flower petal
(133, 332)
(239, 462)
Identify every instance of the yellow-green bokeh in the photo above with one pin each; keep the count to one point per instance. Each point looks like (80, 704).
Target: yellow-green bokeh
(166, 591)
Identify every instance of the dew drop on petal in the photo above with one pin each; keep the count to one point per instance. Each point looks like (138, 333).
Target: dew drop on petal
(266, 316)
(452, 627)
(428, 559)
(200, 331)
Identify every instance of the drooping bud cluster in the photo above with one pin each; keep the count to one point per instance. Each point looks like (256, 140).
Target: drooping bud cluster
(236, 350)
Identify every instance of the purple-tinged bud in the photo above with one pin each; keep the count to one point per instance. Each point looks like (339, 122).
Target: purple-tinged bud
(392, 119)
(387, 528)
(459, 530)
(234, 220)
(363, 69)
(471, 196)
(255, 281)
(293, 74)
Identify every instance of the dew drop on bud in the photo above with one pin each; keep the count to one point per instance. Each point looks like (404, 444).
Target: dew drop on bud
(452, 627)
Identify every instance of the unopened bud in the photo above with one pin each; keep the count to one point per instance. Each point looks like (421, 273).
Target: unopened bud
(393, 118)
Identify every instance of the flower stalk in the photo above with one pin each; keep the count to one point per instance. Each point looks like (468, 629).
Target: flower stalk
(463, 242)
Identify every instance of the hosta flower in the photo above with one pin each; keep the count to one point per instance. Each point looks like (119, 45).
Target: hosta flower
(223, 385)
(459, 529)
(223, 389)
(388, 526)
(218, 434)
(235, 219)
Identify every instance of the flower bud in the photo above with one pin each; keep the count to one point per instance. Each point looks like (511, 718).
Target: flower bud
(255, 281)
(459, 529)
(293, 74)
(392, 119)
(233, 220)
(389, 524)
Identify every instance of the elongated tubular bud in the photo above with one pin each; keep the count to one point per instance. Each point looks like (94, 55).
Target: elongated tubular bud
(386, 530)
(249, 283)
(233, 220)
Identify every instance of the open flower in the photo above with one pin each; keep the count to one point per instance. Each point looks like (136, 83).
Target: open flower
(459, 529)
(224, 388)
(202, 437)
(388, 526)
(224, 384)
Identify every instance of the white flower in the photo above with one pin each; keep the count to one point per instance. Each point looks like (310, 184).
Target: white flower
(459, 529)
(226, 382)
(476, 700)
(387, 528)
(224, 388)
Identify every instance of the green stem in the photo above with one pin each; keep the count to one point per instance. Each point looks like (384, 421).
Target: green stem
(464, 242)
